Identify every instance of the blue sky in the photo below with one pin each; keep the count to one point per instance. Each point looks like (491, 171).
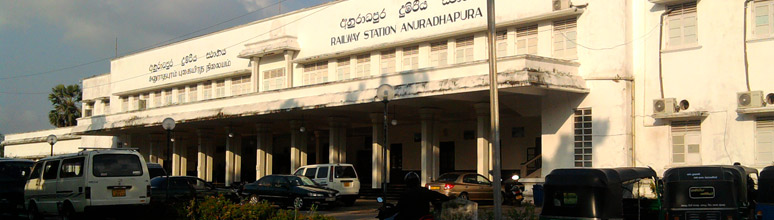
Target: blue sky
(37, 37)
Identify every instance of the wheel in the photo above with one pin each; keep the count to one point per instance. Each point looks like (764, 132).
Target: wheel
(32, 212)
(253, 199)
(298, 203)
(463, 196)
(68, 212)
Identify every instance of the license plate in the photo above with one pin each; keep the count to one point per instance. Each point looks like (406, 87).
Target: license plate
(119, 192)
(330, 199)
(348, 184)
(435, 187)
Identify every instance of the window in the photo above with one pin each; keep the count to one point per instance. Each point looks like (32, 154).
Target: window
(764, 140)
(72, 168)
(583, 140)
(681, 21)
(299, 172)
(363, 67)
(411, 58)
(36, 170)
(274, 79)
(124, 104)
(686, 140)
(14, 171)
(388, 61)
(470, 178)
(220, 88)
(526, 40)
(50, 170)
(192, 93)
(345, 172)
(240, 85)
(438, 54)
(565, 38)
(322, 172)
(107, 106)
(315, 73)
(449, 177)
(168, 97)
(266, 181)
(464, 50)
(88, 111)
(157, 99)
(502, 43)
(482, 180)
(181, 95)
(116, 165)
(762, 15)
(342, 71)
(207, 92)
(311, 172)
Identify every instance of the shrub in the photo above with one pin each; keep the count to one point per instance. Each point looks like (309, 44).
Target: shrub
(220, 208)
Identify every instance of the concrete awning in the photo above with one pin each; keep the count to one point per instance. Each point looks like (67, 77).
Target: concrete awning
(271, 46)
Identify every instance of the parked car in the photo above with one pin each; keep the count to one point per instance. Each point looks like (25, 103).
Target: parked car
(340, 177)
(185, 188)
(470, 186)
(709, 192)
(87, 182)
(289, 190)
(617, 193)
(765, 197)
(155, 170)
(13, 175)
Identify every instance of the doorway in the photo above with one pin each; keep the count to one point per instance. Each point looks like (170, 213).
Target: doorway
(446, 157)
(396, 163)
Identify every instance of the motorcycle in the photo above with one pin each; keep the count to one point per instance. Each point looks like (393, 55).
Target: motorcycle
(515, 190)
(388, 211)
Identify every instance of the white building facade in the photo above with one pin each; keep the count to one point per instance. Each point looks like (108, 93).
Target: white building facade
(578, 83)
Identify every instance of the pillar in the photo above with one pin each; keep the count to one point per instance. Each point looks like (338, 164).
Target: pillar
(152, 156)
(175, 158)
(210, 152)
(237, 158)
(229, 157)
(377, 140)
(201, 155)
(263, 152)
(255, 80)
(289, 68)
(483, 148)
(429, 151)
(338, 141)
(296, 145)
(183, 151)
(318, 155)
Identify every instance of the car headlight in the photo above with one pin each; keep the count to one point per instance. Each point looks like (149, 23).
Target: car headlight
(316, 194)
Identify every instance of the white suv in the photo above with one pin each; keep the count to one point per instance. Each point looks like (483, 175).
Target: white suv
(87, 181)
(340, 177)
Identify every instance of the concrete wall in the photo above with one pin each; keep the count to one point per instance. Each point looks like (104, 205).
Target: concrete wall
(33, 145)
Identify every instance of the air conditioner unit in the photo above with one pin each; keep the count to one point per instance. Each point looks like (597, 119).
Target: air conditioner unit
(561, 4)
(142, 104)
(664, 106)
(750, 99)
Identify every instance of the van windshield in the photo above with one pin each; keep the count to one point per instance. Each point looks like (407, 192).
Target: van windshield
(117, 165)
(345, 172)
(15, 170)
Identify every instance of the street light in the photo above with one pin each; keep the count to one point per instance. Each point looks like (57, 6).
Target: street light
(51, 139)
(385, 92)
(168, 124)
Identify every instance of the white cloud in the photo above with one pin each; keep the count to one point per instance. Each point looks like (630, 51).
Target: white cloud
(252, 5)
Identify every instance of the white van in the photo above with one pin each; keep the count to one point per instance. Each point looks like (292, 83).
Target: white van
(340, 177)
(87, 182)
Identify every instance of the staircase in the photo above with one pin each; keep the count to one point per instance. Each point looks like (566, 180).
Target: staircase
(393, 192)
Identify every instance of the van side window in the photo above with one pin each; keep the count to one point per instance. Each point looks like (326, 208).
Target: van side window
(49, 171)
(36, 170)
(345, 172)
(322, 172)
(72, 167)
(310, 172)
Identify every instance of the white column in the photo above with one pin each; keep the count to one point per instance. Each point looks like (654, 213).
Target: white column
(255, 77)
(333, 150)
(183, 151)
(209, 149)
(295, 145)
(152, 156)
(175, 158)
(201, 155)
(229, 158)
(377, 138)
(263, 161)
(289, 61)
(483, 164)
(317, 148)
(238, 159)
(428, 159)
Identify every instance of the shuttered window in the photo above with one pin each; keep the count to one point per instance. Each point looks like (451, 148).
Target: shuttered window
(764, 140)
(363, 67)
(762, 12)
(181, 95)
(273, 79)
(682, 25)
(583, 138)
(342, 69)
(220, 88)
(527, 40)
(388, 61)
(193, 95)
(207, 92)
(464, 49)
(411, 58)
(157, 99)
(686, 142)
(565, 38)
(438, 54)
(240, 85)
(315, 73)
(502, 43)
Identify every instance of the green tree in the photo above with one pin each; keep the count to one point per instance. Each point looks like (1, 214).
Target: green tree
(66, 101)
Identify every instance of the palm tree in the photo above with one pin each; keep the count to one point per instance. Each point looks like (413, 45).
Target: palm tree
(66, 101)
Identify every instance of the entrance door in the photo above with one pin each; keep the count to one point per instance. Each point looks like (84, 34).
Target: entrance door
(446, 158)
(396, 163)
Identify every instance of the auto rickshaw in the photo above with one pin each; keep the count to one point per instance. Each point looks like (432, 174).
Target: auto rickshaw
(709, 192)
(764, 209)
(616, 193)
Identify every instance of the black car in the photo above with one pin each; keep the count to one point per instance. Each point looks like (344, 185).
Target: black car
(288, 190)
(155, 170)
(13, 176)
(185, 188)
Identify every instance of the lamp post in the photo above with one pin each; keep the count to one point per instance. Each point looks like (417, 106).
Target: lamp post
(494, 109)
(168, 124)
(385, 92)
(51, 139)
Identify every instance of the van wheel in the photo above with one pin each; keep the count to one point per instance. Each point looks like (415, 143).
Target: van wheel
(32, 212)
(254, 199)
(68, 212)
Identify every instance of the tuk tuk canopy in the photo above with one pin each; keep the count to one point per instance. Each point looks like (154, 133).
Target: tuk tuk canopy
(718, 186)
(766, 185)
(589, 193)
